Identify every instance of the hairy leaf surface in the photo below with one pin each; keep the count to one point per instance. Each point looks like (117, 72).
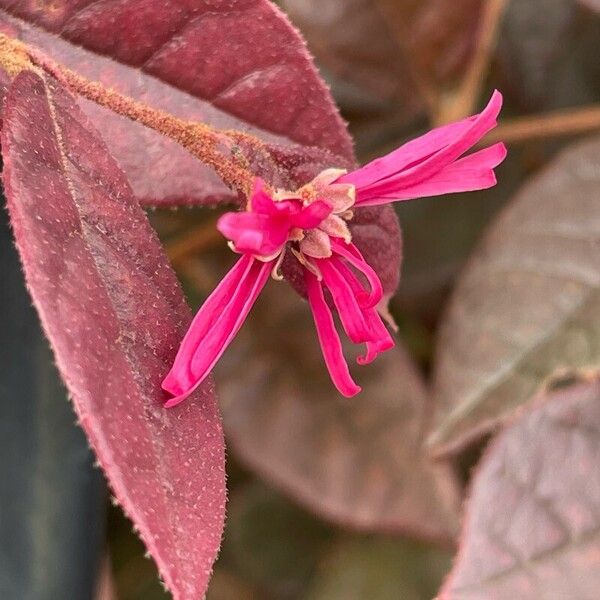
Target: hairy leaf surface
(114, 313)
(533, 527)
(234, 65)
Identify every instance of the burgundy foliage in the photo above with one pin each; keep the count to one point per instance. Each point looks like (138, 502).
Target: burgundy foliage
(77, 177)
(114, 313)
(532, 528)
(108, 301)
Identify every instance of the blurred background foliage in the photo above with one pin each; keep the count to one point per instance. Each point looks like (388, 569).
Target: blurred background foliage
(330, 530)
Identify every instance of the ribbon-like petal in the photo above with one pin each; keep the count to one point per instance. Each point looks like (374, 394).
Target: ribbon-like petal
(352, 254)
(380, 338)
(215, 326)
(329, 339)
(385, 178)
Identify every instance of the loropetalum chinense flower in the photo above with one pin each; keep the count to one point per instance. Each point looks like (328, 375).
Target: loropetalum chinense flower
(312, 224)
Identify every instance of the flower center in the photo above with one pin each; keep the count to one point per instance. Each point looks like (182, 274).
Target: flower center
(304, 221)
(314, 241)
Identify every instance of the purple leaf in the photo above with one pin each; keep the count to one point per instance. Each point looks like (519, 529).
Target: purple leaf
(533, 527)
(236, 64)
(239, 66)
(527, 304)
(113, 311)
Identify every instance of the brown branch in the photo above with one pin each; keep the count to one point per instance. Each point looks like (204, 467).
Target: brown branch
(391, 11)
(462, 101)
(550, 125)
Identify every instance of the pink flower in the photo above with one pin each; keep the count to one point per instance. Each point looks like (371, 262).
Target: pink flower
(312, 224)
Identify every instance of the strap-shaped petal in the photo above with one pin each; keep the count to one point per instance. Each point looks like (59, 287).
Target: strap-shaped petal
(422, 158)
(380, 338)
(473, 172)
(329, 339)
(214, 327)
(346, 303)
(352, 254)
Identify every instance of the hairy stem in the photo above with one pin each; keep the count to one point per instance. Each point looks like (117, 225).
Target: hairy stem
(213, 147)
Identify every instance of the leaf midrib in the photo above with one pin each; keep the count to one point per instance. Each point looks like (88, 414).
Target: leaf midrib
(124, 353)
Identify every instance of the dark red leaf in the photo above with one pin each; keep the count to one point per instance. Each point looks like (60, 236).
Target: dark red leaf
(236, 64)
(114, 313)
(533, 523)
(358, 462)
